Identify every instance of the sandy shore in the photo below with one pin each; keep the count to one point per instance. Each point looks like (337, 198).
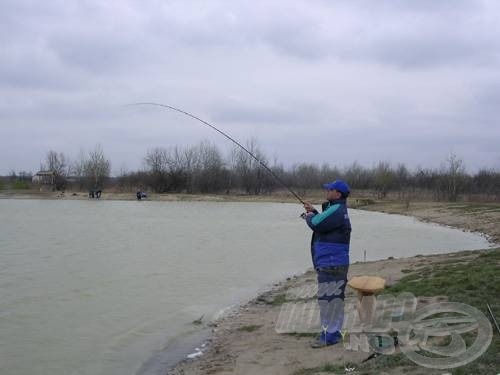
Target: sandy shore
(247, 342)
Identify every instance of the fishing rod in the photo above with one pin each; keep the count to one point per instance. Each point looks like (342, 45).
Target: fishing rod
(261, 163)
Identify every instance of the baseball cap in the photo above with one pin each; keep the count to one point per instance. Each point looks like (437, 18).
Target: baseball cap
(338, 185)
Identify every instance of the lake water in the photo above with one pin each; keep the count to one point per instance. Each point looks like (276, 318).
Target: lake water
(102, 287)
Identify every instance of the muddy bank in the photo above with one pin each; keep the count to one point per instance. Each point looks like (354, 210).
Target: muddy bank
(247, 343)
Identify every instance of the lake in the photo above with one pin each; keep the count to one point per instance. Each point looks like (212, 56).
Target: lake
(112, 287)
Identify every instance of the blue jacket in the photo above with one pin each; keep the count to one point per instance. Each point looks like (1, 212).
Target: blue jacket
(331, 235)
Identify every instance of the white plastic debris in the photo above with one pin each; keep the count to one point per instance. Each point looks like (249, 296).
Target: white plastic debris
(197, 353)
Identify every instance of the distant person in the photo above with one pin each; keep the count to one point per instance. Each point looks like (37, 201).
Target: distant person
(94, 193)
(139, 195)
(330, 255)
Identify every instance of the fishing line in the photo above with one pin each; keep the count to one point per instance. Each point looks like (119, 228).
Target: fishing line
(261, 163)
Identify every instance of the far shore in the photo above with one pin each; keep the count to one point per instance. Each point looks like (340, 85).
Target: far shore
(278, 197)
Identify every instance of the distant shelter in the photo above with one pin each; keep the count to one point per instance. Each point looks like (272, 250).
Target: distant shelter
(44, 178)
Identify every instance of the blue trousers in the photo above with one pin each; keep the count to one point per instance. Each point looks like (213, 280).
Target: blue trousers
(331, 291)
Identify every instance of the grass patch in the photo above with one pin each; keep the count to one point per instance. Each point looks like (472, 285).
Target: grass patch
(278, 300)
(473, 281)
(475, 208)
(384, 362)
(361, 202)
(20, 185)
(249, 328)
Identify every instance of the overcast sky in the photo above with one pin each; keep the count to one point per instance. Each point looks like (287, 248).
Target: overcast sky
(313, 81)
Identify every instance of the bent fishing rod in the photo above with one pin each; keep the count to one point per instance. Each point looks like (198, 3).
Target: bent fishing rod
(261, 163)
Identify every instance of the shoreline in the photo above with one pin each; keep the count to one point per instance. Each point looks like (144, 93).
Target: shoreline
(183, 349)
(245, 341)
(276, 197)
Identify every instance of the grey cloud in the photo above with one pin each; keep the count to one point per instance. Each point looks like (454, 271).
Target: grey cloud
(34, 69)
(393, 34)
(308, 79)
(266, 114)
(428, 6)
(424, 50)
(96, 54)
(485, 98)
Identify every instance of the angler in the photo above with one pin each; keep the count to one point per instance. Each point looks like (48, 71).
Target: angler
(330, 255)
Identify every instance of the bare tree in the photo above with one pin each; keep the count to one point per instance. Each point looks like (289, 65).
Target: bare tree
(77, 169)
(250, 174)
(177, 174)
(402, 177)
(59, 164)
(157, 164)
(210, 175)
(306, 175)
(191, 164)
(358, 176)
(383, 178)
(96, 168)
(487, 182)
(454, 171)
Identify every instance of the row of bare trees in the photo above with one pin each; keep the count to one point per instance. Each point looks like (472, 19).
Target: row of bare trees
(203, 168)
(449, 182)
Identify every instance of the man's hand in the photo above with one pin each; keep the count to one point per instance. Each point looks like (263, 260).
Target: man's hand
(308, 207)
(310, 210)
(305, 215)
